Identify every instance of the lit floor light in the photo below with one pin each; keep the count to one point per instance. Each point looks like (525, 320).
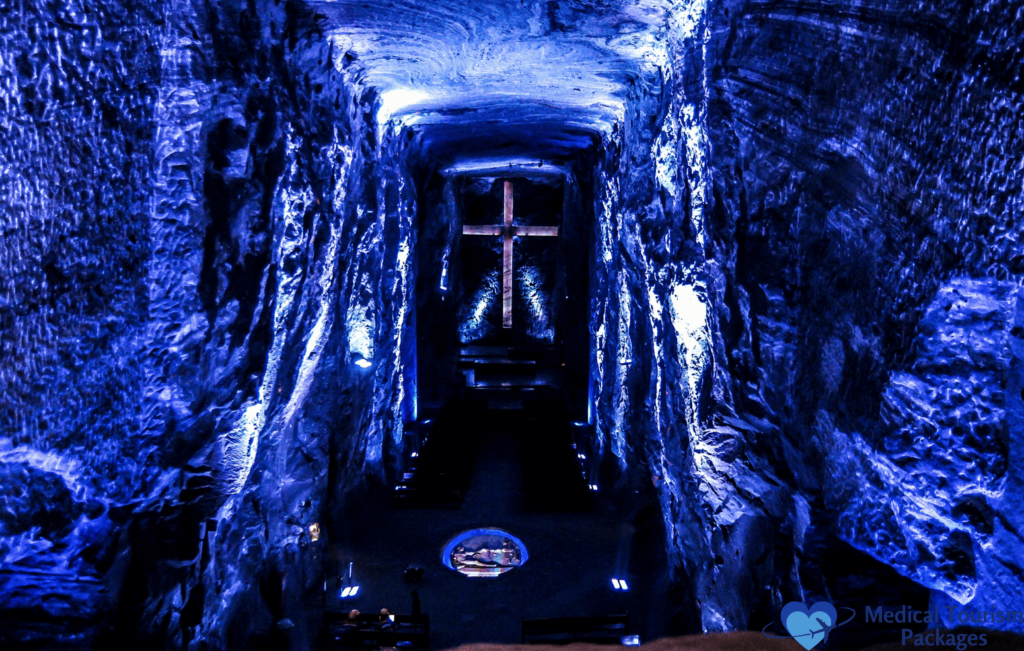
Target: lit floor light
(630, 640)
(352, 589)
(349, 591)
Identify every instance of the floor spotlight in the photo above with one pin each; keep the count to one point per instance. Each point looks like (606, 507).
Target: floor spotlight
(349, 591)
(351, 588)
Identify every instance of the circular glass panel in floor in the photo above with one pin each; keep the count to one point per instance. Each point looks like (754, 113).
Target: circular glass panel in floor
(484, 553)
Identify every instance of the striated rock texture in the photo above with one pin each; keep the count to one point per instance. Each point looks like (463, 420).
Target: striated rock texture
(77, 118)
(943, 460)
(201, 217)
(864, 160)
(805, 321)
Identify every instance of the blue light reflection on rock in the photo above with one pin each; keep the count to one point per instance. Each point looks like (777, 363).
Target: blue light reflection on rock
(475, 323)
(201, 248)
(537, 301)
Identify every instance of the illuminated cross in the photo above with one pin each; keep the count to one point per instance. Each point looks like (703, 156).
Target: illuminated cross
(507, 230)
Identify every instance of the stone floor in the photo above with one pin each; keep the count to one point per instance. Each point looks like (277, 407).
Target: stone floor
(572, 556)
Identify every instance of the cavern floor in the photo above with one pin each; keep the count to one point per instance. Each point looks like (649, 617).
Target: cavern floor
(572, 556)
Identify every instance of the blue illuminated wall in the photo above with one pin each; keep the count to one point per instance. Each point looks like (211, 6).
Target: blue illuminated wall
(803, 289)
(229, 235)
(781, 343)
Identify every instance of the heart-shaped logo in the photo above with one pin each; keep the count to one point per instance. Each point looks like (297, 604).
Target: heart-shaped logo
(809, 626)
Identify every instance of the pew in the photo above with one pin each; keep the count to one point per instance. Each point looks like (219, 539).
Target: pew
(370, 631)
(440, 475)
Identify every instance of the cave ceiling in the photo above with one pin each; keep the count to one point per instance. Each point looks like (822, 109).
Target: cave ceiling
(488, 81)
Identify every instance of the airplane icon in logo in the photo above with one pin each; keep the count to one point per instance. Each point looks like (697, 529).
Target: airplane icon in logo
(826, 628)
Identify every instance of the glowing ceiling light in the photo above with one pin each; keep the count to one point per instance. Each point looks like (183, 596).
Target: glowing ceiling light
(615, 584)
(355, 589)
(363, 363)
(314, 532)
(593, 487)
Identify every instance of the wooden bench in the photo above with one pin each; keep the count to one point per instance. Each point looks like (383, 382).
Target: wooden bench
(441, 474)
(609, 629)
(553, 477)
(368, 632)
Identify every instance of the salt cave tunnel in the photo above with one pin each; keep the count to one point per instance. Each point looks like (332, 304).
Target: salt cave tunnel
(525, 320)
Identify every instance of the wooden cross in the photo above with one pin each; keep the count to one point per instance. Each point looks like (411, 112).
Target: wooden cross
(507, 230)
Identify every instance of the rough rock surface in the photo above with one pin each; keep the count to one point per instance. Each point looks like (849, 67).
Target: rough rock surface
(862, 234)
(943, 455)
(804, 290)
